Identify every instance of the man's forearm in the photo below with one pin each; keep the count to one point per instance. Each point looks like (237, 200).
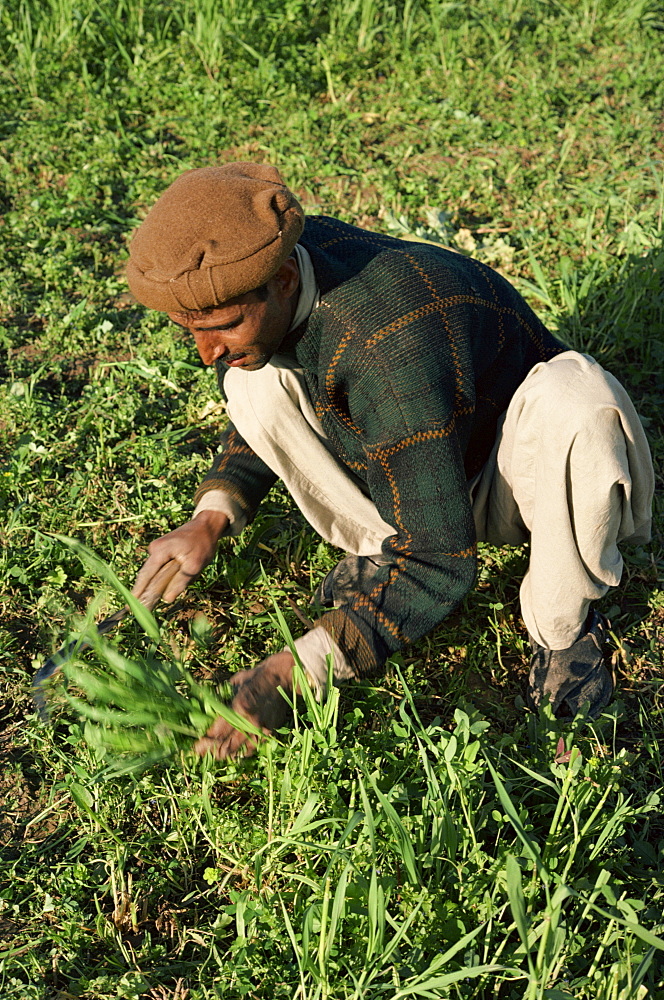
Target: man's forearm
(217, 522)
(238, 473)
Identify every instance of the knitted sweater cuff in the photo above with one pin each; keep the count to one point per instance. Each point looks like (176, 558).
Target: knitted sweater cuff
(361, 655)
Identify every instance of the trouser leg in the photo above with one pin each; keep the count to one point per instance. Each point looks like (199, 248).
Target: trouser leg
(572, 469)
(272, 411)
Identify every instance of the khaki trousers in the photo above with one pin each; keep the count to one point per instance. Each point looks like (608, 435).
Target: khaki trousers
(570, 471)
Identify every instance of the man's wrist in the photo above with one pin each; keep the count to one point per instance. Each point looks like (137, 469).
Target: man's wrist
(313, 649)
(221, 502)
(216, 522)
(279, 667)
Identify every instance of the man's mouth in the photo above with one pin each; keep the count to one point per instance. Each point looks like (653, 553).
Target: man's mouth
(235, 360)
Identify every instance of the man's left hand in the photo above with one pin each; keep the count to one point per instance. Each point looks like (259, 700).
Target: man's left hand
(258, 700)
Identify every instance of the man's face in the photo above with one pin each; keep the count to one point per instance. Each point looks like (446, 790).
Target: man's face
(245, 331)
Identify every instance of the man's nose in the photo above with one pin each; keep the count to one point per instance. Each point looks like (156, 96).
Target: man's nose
(210, 349)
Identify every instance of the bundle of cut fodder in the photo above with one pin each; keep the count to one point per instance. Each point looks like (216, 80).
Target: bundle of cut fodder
(138, 711)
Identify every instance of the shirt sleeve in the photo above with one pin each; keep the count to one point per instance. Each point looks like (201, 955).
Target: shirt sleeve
(431, 559)
(237, 472)
(313, 649)
(220, 501)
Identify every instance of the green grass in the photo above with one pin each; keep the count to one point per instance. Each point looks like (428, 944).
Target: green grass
(422, 836)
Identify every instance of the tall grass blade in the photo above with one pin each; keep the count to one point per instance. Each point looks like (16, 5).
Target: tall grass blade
(529, 844)
(90, 559)
(518, 904)
(401, 834)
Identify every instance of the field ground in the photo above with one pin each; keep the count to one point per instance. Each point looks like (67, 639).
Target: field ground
(423, 836)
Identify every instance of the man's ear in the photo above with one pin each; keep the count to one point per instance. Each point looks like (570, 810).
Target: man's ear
(287, 278)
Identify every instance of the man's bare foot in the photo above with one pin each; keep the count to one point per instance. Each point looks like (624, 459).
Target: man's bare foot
(258, 700)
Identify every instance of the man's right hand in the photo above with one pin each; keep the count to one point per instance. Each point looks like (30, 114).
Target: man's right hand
(192, 545)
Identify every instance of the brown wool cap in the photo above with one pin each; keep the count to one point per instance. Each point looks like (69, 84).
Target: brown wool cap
(215, 233)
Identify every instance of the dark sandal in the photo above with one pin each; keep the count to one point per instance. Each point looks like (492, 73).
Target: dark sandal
(568, 678)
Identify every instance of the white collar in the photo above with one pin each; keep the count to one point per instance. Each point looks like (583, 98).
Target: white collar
(309, 291)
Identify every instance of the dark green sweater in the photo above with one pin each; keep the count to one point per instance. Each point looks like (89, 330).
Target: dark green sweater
(410, 358)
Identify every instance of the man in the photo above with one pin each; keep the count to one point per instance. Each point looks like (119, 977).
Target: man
(413, 404)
